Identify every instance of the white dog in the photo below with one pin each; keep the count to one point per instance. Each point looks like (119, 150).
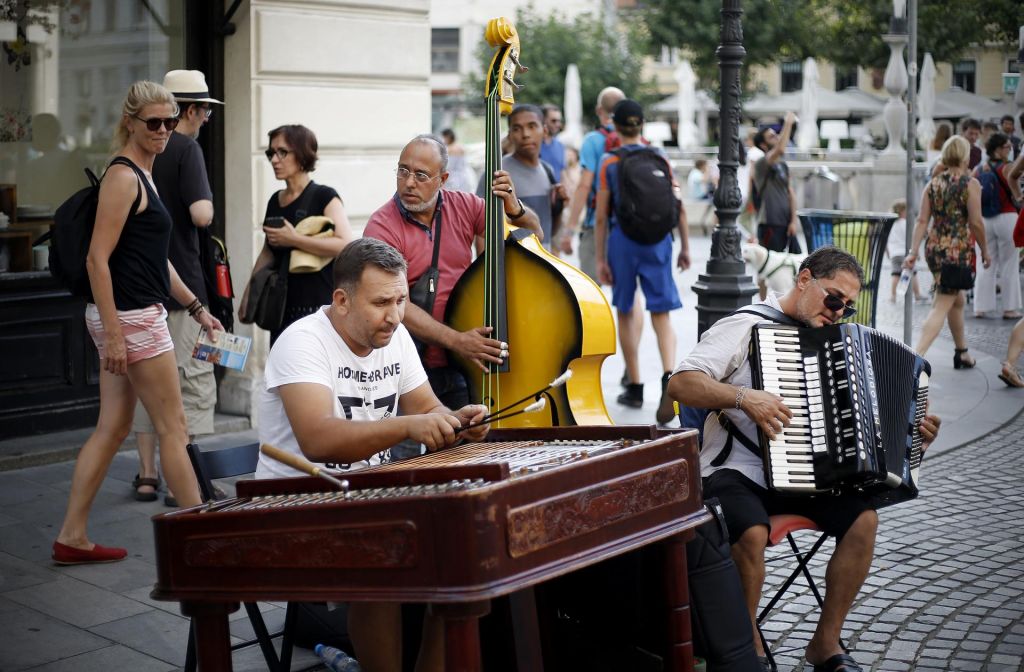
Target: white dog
(775, 270)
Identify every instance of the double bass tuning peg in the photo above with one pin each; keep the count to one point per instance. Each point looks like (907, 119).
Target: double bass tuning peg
(510, 82)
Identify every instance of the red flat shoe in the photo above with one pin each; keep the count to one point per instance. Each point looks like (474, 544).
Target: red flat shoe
(69, 555)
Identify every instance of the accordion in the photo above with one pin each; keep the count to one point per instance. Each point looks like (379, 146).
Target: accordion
(857, 397)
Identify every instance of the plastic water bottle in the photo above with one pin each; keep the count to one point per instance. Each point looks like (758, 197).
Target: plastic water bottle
(336, 659)
(904, 283)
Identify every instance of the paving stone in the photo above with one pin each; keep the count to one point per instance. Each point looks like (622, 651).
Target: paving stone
(16, 573)
(159, 634)
(114, 657)
(76, 602)
(32, 638)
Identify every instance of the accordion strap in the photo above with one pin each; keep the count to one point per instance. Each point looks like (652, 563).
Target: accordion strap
(734, 433)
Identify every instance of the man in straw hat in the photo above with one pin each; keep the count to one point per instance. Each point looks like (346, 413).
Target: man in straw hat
(179, 174)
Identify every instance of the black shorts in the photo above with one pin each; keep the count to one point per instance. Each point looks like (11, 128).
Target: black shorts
(747, 504)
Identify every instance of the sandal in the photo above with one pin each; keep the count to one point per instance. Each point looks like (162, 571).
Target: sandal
(1014, 315)
(139, 482)
(960, 361)
(1010, 376)
(841, 662)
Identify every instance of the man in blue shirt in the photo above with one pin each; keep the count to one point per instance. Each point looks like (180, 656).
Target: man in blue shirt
(552, 150)
(623, 262)
(591, 151)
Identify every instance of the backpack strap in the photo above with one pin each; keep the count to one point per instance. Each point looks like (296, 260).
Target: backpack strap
(549, 171)
(124, 161)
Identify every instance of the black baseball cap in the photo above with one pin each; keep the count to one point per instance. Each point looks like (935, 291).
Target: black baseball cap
(627, 112)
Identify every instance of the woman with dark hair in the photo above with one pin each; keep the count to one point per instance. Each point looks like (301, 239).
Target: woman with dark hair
(293, 155)
(999, 234)
(950, 213)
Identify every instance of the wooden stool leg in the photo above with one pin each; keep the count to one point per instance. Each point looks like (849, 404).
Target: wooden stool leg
(462, 633)
(677, 593)
(213, 643)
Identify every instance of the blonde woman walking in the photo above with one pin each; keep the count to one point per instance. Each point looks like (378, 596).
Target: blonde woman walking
(131, 278)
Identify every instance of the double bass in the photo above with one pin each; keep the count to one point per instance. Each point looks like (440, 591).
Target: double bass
(552, 315)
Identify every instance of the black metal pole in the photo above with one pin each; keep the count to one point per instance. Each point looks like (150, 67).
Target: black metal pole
(724, 286)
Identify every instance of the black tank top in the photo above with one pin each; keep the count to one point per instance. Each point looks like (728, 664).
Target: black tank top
(138, 266)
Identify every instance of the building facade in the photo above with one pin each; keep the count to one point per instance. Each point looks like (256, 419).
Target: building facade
(356, 73)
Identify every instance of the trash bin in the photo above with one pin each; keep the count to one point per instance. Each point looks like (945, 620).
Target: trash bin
(862, 234)
(821, 189)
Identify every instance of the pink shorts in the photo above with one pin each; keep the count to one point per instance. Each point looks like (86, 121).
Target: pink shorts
(145, 331)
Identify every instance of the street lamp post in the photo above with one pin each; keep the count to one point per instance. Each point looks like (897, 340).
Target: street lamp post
(725, 286)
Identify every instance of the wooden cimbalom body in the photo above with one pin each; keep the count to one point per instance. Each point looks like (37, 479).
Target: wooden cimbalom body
(454, 529)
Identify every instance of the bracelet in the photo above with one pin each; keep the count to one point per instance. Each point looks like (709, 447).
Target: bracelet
(192, 306)
(522, 211)
(739, 395)
(195, 308)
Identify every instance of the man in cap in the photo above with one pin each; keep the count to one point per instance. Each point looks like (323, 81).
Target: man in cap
(179, 174)
(622, 259)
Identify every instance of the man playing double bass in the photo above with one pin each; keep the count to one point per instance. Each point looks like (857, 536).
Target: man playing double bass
(421, 208)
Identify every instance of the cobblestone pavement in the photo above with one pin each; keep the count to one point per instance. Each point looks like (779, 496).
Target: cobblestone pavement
(946, 590)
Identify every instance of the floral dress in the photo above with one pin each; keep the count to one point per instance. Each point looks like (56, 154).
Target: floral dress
(949, 236)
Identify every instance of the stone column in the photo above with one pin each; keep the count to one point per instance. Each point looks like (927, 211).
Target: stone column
(895, 112)
(724, 286)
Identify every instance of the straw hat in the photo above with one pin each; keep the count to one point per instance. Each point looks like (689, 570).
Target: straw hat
(301, 261)
(189, 86)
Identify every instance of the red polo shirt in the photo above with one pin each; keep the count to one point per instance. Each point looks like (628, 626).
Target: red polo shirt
(462, 220)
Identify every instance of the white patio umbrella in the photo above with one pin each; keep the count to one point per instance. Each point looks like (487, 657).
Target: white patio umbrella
(926, 102)
(807, 132)
(572, 108)
(687, 132)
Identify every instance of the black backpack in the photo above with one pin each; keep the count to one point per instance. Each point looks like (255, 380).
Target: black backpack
(71, 234)
(646, 207)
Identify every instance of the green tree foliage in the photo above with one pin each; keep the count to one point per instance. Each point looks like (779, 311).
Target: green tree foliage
(550, 43)
(846, 32)
(945, 28)
(773, 30)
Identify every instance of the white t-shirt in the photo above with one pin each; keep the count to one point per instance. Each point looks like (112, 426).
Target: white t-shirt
(898, 239)
(722, 353)
(365, 388)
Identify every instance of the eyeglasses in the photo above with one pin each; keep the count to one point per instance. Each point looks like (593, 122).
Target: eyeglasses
(207, 111)
(421, 177)
(836, 303)
(280, 153)
(153, 123)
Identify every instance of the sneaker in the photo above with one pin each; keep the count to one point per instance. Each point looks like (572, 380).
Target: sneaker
(633, 396)
(666, 409)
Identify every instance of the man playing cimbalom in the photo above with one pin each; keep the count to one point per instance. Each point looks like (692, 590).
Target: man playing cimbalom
(407, 222)
(717, 375)
(335, 381)
(179, 174)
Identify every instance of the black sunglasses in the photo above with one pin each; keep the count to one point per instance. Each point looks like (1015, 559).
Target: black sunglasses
(280, 152)
(153, 123)
(836, 303)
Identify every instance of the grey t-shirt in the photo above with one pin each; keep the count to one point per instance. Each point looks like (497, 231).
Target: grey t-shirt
(772, 184)
(532, 186)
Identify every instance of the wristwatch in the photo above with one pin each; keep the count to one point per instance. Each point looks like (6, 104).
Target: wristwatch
(522, 211)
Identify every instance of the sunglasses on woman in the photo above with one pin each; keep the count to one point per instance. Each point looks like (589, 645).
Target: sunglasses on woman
(280, 153)
(153, 123)
(836, 303)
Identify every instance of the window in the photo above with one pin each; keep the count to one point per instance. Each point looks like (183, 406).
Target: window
(444, 50)
(1011, 65)
(46, 140)
(792, 76)
(669, 55)
(846, 77)
(964, 75)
